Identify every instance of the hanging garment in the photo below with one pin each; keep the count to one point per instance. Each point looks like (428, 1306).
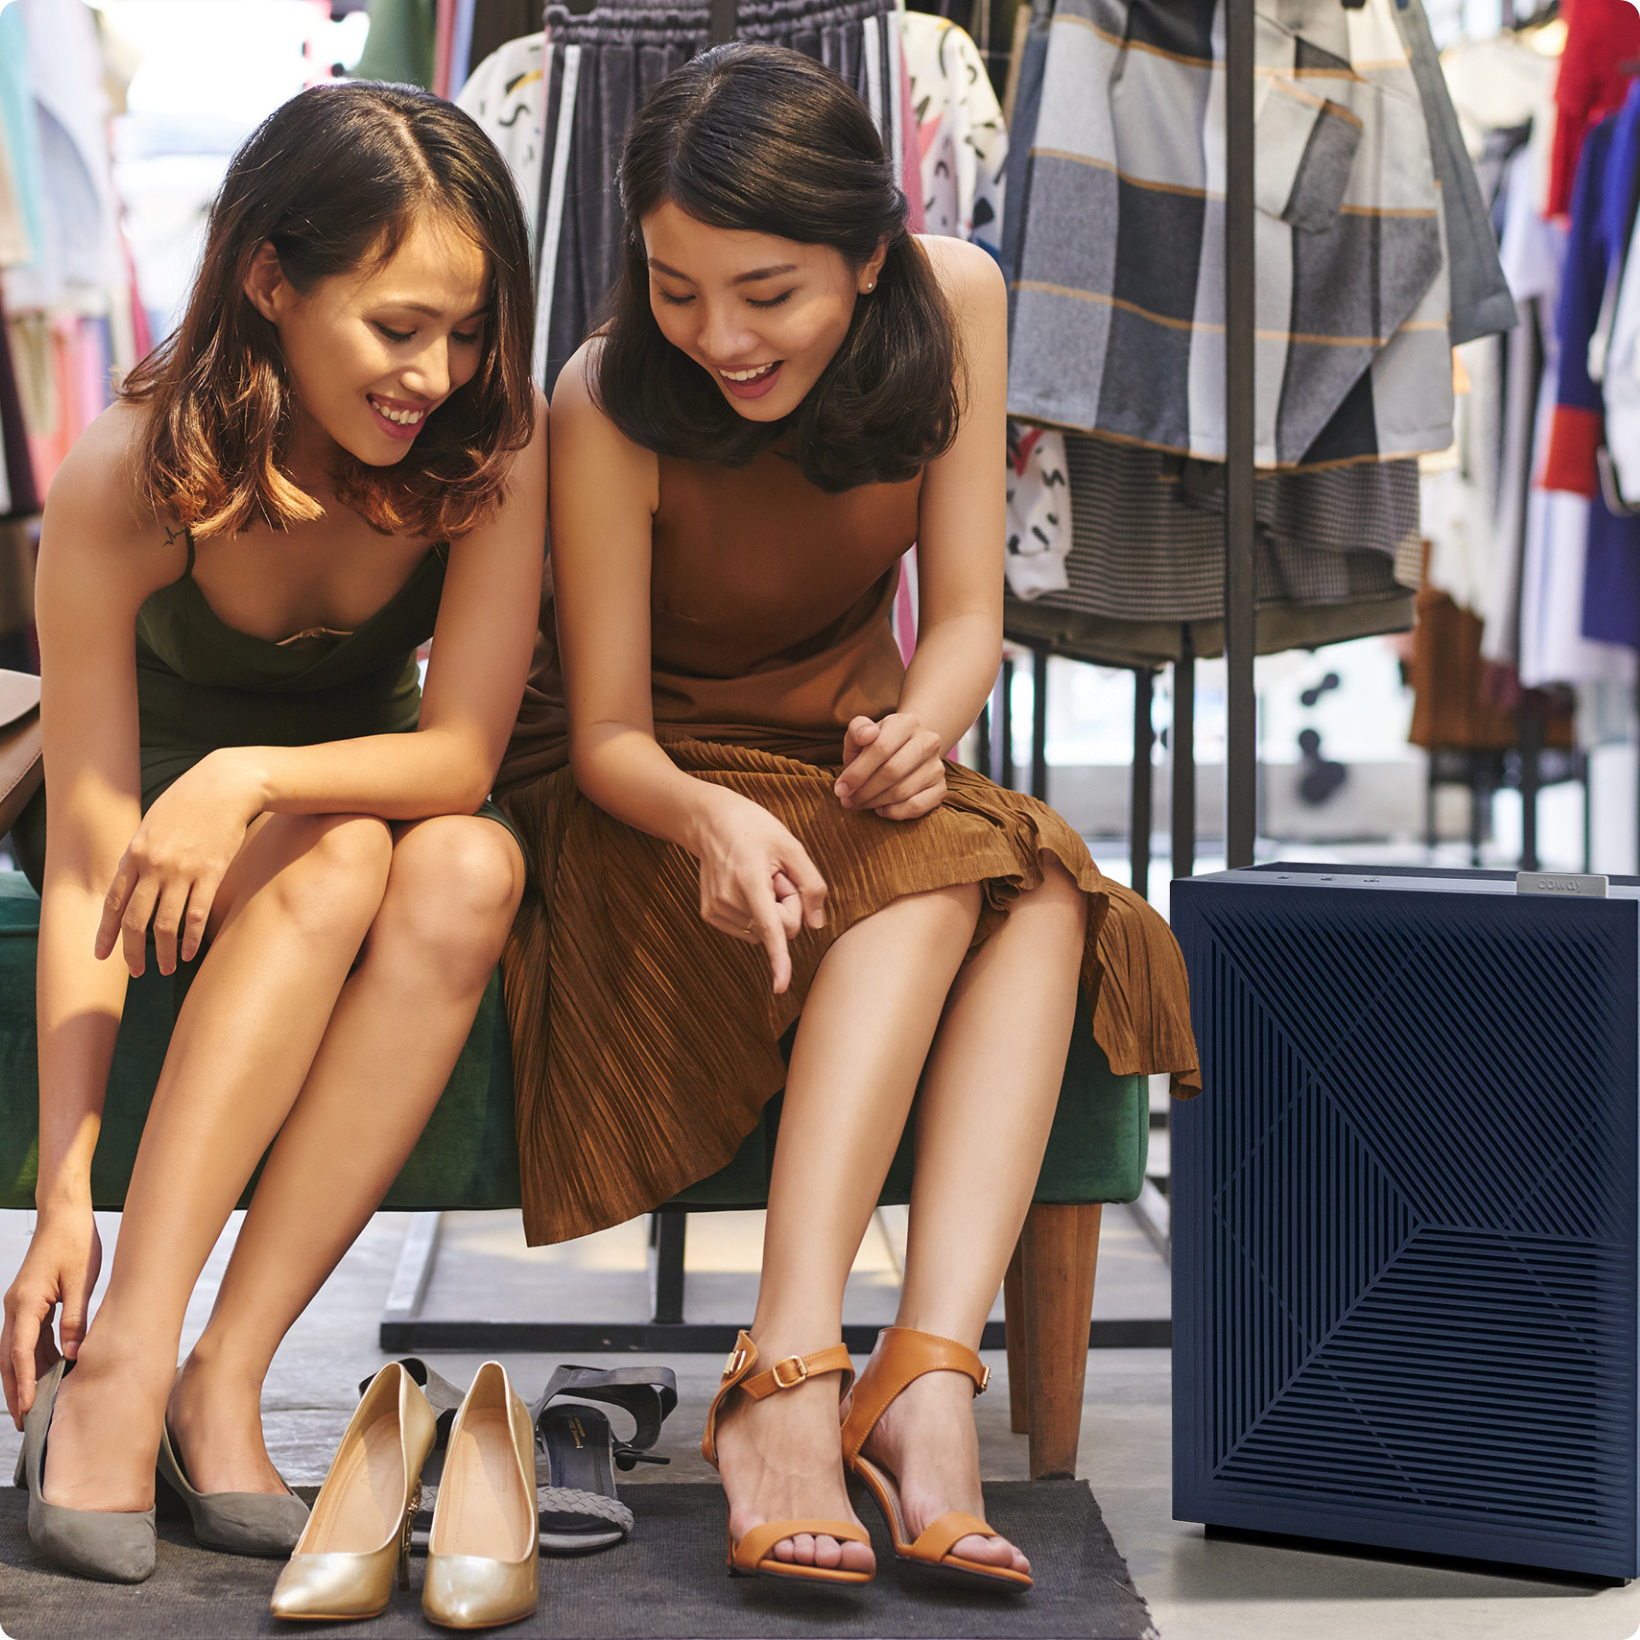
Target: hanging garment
(961, 141)
(1551, 646)
(22, 499)
(1597, 237)
(1602, 41)
(495, 22)
(16, 243)
(1481, 303)
(399, 46)
(1572, 520)
(22, 128)
(1336, 554)
(1119, 317)
(1459, 499)
(1531, 249)
(78, 252)
(1033, 57)
(1495, 84)
(599, 67)
(1039, 511)
(505, 94)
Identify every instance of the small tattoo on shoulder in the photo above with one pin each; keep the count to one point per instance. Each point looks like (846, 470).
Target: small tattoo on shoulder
(172, 536)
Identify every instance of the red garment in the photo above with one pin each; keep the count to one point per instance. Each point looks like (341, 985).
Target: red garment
(1602, 40)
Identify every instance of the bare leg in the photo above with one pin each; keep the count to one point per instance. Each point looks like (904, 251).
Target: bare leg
(867, 1023)
(987, 1105)
(393, 1040)
(288, 922)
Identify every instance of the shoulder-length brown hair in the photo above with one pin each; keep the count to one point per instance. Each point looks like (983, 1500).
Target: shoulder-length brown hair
(333, 178)
(760, 138)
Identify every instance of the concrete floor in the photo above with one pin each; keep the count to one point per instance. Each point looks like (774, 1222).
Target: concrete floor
(1198, 1589)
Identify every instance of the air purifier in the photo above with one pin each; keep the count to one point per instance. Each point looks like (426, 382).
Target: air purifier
(1404, 1212)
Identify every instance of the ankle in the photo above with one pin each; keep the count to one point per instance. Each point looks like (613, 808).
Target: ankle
(214, 1370)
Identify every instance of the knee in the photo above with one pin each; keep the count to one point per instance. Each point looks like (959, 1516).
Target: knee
(451, 895)
(337, 881)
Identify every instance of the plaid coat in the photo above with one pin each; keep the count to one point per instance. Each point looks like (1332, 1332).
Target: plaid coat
(1119, 286)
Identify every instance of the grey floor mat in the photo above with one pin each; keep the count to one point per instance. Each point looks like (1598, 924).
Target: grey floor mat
(667, 1583)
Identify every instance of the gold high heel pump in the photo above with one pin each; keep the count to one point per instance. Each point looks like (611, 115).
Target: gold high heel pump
(903, 1355)
(342, 1566)
(754, 1553)
(483, 1565)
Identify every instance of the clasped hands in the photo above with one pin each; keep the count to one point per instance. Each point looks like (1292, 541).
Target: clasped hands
(757, 881)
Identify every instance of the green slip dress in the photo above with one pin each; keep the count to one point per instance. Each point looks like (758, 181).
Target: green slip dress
(202, 684)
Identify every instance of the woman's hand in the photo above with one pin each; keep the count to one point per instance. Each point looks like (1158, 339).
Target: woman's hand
(757, 881)
(172, 868)
(895, 768)
(61, 1267)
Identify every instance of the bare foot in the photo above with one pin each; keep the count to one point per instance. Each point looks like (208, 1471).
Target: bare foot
(782, 1459)
(927, 1441)
(103, 1437)
(215, 1421)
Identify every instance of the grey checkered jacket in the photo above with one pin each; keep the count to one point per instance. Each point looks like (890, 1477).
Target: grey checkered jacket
(1119, 286)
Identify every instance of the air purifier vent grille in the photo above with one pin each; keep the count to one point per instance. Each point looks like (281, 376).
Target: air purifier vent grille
(1404, 1216)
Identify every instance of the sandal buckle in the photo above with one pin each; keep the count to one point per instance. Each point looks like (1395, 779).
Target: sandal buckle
(802, 1372)
(737, 1359)
(984, 1379)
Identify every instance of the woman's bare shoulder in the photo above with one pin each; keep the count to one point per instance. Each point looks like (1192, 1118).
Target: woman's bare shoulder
(964, 270)
(96, 514)
(604, 454)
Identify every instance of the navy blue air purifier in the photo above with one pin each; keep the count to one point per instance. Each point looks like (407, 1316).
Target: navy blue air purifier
(1404, 1212)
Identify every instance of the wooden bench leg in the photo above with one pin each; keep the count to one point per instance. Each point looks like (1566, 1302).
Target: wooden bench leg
(1059, 1251)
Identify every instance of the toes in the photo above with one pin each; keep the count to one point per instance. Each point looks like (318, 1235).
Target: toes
(827, 1553)
(990, 1551)
(857, 1557)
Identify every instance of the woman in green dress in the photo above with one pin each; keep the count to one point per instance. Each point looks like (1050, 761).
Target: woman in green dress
(338, 453)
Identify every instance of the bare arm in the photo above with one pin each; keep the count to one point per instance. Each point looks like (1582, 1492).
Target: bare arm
(486, 628)
(92, 580)
(896, 767)
(756, 880)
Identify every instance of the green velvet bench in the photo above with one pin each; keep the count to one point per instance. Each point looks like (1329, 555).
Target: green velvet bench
(467, 1159)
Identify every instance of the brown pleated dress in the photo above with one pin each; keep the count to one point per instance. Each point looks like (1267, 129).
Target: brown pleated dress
(646, 1043)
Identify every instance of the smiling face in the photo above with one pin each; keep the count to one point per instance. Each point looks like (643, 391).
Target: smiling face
(763, 316)
(374, 352)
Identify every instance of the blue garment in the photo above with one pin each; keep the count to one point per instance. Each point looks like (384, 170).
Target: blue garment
(22, 134)
(1597, 239)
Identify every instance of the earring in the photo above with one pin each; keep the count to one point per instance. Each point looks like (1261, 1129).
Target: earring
(871, 287)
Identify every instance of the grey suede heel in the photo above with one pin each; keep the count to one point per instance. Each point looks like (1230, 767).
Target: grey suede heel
(111, 1547)
(237, 1523)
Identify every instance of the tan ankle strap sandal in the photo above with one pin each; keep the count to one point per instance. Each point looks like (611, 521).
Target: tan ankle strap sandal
(902, 1356)
(753, 1555)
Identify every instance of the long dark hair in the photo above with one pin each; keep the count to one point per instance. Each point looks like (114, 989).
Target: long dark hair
(335, 176)
(760, 138)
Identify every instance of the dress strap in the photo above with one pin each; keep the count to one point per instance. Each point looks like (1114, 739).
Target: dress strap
(188, 536)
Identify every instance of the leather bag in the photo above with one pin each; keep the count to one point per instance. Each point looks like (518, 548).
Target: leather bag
(21, 767)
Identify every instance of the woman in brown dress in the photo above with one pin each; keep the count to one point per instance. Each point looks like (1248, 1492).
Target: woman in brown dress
(739, 810)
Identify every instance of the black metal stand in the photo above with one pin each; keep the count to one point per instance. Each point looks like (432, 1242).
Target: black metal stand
(1004, 775)
(404, 1330)
(1182, 745)
(1240, 276)
(1039, 722)
(1140, 798)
